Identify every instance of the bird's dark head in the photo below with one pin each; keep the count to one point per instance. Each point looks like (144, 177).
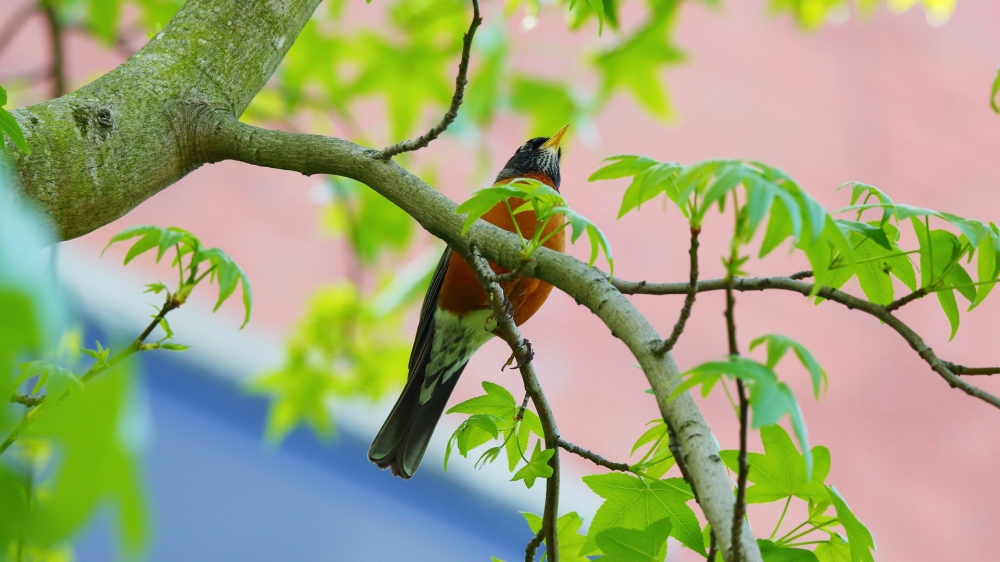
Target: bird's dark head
(538, 156)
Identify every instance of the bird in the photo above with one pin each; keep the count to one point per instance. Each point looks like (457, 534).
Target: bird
(455, 314)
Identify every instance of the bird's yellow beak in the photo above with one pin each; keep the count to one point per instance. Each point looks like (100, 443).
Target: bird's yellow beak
(555, 140)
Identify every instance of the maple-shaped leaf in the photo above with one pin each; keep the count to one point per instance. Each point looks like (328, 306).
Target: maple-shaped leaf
(570, 540)
(635, 65)
(781, 471)
(537, 467)
(630, 545)
(633, 503)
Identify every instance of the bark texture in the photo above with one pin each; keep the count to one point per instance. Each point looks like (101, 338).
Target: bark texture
(100, 151)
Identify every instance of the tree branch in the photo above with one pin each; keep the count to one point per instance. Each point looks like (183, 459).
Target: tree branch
(593, 457)
(850, 301)
(692, 292)
(314, 154)
(963, 370)
(29, 400)
(171, 303)
(461, 81)
(507, 331)
(739, 512)
(532, 548)
(905, 300)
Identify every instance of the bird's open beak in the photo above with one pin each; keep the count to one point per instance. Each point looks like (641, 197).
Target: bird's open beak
(553, 143)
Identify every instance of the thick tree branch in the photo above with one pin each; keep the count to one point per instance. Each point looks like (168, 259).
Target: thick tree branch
(461, 81)
(507, 331)
(102, 150)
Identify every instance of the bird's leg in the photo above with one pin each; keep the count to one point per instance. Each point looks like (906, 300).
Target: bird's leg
(531, 355)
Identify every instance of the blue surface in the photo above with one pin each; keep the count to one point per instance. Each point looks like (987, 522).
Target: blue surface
(217, 494)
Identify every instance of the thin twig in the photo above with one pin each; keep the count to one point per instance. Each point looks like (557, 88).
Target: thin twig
(524, 406)
(15, 24)
(963, 370)
(801, 275)
(692, 293)
(56, 41)
(713, 549)
(903, 301)
(739, 511)
(806, 289)
(593, 457)
(29, 400)
(461, 81)
(533, 544)
(171, 303)
(507, 330)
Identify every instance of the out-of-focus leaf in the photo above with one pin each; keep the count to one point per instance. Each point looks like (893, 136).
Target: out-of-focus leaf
(99, 433)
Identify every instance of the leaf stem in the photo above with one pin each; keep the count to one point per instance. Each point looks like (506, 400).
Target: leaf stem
(782, 518)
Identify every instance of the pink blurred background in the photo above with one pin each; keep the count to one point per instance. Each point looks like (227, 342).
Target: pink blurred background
(892, 102)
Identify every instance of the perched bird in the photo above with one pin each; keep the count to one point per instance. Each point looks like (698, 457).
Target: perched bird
(454, 316)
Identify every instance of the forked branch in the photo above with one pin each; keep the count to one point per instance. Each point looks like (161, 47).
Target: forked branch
(507, 330)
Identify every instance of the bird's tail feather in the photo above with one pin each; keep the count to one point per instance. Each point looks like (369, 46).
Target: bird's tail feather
(404, 436)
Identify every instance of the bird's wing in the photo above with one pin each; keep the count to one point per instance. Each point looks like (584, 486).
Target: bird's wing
(425, 327)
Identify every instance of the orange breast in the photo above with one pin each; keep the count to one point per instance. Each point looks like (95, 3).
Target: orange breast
(461, 292)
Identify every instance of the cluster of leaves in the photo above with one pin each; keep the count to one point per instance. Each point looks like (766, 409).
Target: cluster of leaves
(523, 195)
(348, 344)
(345, 346)
(104, 18)
(837, 249)
(79, 446)
(193, 261)
(496, 415)
(940, 251)
(782, 473)
(811, 14)
(332, 67)
(770, 399)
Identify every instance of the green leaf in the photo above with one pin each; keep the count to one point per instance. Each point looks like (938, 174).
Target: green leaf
(100, 435)
(781, 471)
(624, 165)
(632, 503)
(858, 537)
(598, 6)
(994, 91)
(9, 127)
(772, 553)
(571, 542)
(778, 345)
(631, 545)
(635, 64)
(56, 380)
(834, 550)
(770, 400)
(548, 104)
(537, 466)
(174, 346)
(988, 267)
